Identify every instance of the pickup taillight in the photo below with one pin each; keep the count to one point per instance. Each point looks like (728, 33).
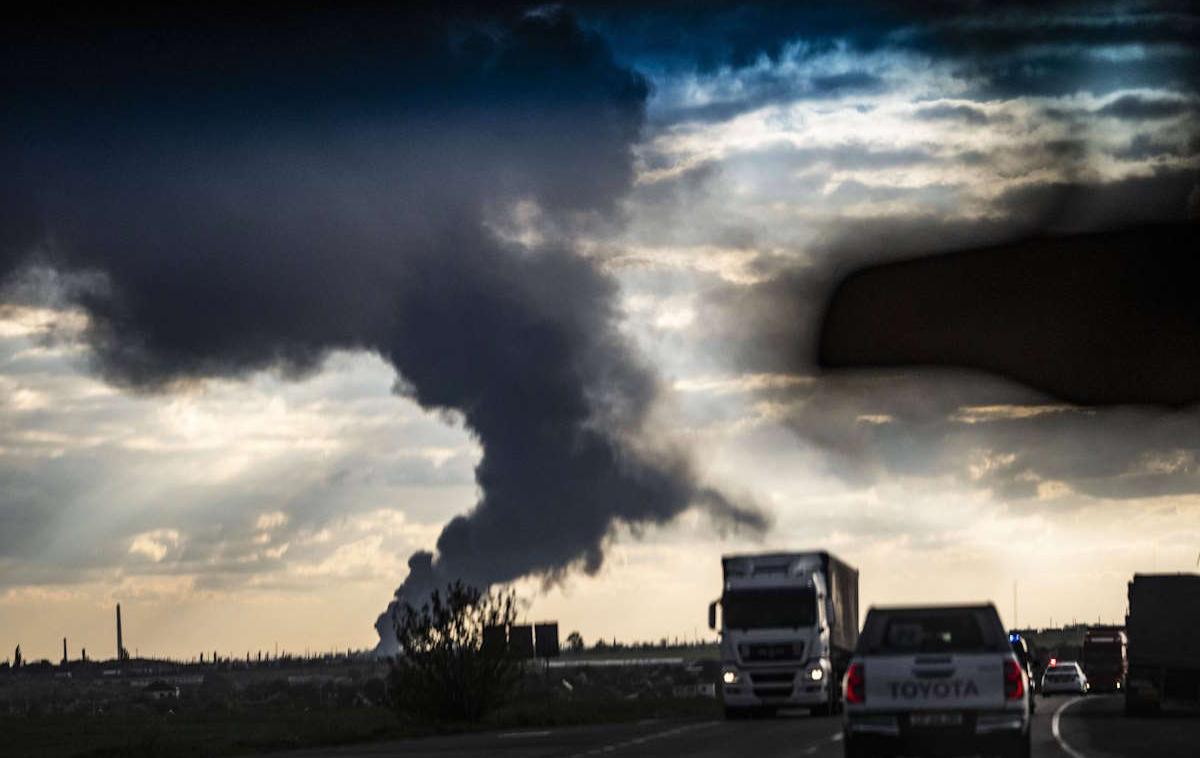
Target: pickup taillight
(1014, 681)
(856, 684)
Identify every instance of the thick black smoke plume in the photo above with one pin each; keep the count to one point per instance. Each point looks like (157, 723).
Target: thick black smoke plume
(253, 195)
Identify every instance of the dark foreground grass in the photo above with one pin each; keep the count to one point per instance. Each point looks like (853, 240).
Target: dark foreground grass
(192, 734)
(258, 731)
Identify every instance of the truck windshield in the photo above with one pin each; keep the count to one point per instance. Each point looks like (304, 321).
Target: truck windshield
(759, 609)
(1095, 652)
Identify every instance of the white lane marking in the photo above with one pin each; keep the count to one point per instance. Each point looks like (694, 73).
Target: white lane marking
(1054, 730)
(514, 735)
(643, 739)
(813, 747)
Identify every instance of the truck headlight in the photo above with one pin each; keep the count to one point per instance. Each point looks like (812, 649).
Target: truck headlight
(816, 674)
(730, 676)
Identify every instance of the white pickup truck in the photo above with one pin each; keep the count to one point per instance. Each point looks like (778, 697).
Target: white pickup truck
(938, 680)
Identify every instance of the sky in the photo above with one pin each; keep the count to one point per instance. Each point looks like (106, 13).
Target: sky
(301, 312)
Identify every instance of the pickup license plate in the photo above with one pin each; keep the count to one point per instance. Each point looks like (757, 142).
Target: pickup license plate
(935, 719)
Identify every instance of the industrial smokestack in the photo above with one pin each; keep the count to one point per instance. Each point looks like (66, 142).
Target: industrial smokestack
(64, 658)
(121, 655)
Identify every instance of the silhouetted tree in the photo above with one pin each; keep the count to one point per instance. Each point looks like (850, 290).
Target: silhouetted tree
(575, 642)
(444, 671)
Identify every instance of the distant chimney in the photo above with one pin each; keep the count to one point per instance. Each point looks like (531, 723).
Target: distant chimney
(122, 653)
(64, 660)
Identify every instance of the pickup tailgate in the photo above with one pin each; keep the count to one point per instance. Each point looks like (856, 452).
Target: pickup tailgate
(950, 681)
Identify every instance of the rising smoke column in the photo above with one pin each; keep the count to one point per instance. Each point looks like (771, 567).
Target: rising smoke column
(252, 194)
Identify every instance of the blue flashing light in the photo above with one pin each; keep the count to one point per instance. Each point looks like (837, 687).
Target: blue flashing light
(1014, 637)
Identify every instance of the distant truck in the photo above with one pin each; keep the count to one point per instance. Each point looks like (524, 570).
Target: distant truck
(788, 624)
(1105, 658)
(1163, 628)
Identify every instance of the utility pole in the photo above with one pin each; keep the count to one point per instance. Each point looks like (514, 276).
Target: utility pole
(1016, 624)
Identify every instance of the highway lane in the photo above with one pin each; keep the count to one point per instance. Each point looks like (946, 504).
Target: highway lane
(798, 735)
(1093, 727)
(1097, 727)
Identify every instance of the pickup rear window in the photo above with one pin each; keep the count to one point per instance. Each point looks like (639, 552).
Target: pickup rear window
(943, 630)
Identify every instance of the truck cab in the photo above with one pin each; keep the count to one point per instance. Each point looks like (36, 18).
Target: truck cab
(784, 621)
(1105, 659)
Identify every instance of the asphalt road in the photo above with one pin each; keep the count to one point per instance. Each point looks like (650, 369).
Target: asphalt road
(1092, 727)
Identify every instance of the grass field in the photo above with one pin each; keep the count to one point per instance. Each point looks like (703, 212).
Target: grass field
(261, 731)
(192, 734)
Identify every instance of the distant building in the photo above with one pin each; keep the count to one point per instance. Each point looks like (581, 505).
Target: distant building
(160, 690)
(495, 638)
(520, 640)
(546, 639)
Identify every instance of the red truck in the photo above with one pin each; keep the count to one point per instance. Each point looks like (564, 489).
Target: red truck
(1105, 658)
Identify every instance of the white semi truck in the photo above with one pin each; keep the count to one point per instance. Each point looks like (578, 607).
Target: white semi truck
(788, 625)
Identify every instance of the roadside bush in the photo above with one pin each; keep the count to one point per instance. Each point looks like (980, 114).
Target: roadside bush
(444, 671)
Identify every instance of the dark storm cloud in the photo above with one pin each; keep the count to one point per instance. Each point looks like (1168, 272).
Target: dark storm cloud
(1067, 206)
(1000, 51)
(983, 432)
(764, 89)
(846, 156)
(254, 195)
(709, 35)
(979, 30)
(1021, 49)
(1138, 108)
(965, 113)
(1147, 146)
